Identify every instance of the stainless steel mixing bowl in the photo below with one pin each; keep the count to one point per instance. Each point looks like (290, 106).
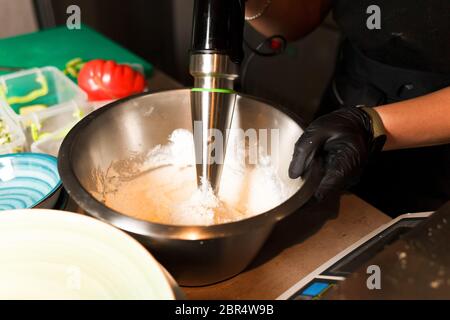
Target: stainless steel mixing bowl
(194, 255)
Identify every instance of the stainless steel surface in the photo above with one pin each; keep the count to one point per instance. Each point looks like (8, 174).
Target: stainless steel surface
(211, 111)
(213, 71)
(193, 255)
(179, 294)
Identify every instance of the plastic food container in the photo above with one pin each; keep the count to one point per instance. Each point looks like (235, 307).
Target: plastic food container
(12, 138)
(50, 143)
(44, 100)
(56, 122)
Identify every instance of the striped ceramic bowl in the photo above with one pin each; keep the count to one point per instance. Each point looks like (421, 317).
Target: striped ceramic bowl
(28, 180)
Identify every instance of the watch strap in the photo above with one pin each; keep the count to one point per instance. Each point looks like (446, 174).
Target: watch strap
(378, 129)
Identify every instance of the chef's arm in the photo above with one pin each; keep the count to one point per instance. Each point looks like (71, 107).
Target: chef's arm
(343, 141)
(418, 122)
(292, 19)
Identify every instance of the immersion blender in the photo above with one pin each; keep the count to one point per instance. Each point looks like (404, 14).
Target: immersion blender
(215, 56)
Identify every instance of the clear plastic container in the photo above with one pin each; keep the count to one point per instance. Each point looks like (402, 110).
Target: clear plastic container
(39, 125)
(12, 138)
(43, 99)
(51, 143)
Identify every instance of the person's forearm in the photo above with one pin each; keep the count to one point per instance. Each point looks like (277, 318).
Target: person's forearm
(418, 122)
(292, 19)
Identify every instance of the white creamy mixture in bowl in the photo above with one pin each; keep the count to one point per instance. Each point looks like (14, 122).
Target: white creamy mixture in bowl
(161, 187)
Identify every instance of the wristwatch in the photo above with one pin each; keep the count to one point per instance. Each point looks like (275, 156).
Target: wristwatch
(378, 129)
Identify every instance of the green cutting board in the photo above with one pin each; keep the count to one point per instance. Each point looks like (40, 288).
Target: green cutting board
(57, 46)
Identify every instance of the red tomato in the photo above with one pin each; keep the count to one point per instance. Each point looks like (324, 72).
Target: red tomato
(107, 80)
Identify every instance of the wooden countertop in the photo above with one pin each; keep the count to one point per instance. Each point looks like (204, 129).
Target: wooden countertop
(298, 245)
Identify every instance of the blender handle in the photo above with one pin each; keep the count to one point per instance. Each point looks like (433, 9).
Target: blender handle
(218, 27)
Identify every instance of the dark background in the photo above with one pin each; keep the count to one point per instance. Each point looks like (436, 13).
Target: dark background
(160, 32)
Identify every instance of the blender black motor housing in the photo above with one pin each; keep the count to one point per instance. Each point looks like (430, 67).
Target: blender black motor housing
(218, 28)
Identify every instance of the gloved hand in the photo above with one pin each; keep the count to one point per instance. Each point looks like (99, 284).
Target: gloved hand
(343, 142)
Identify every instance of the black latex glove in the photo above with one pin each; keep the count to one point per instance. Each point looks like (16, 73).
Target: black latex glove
(342, 141)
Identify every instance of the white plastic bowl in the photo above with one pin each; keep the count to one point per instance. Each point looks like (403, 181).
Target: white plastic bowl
(49, 254)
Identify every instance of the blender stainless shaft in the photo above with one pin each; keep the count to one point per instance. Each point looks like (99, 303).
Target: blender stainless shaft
(215, 55)
(212, 103)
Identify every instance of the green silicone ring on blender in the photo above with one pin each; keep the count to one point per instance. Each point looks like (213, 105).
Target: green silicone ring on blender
(215, 90)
